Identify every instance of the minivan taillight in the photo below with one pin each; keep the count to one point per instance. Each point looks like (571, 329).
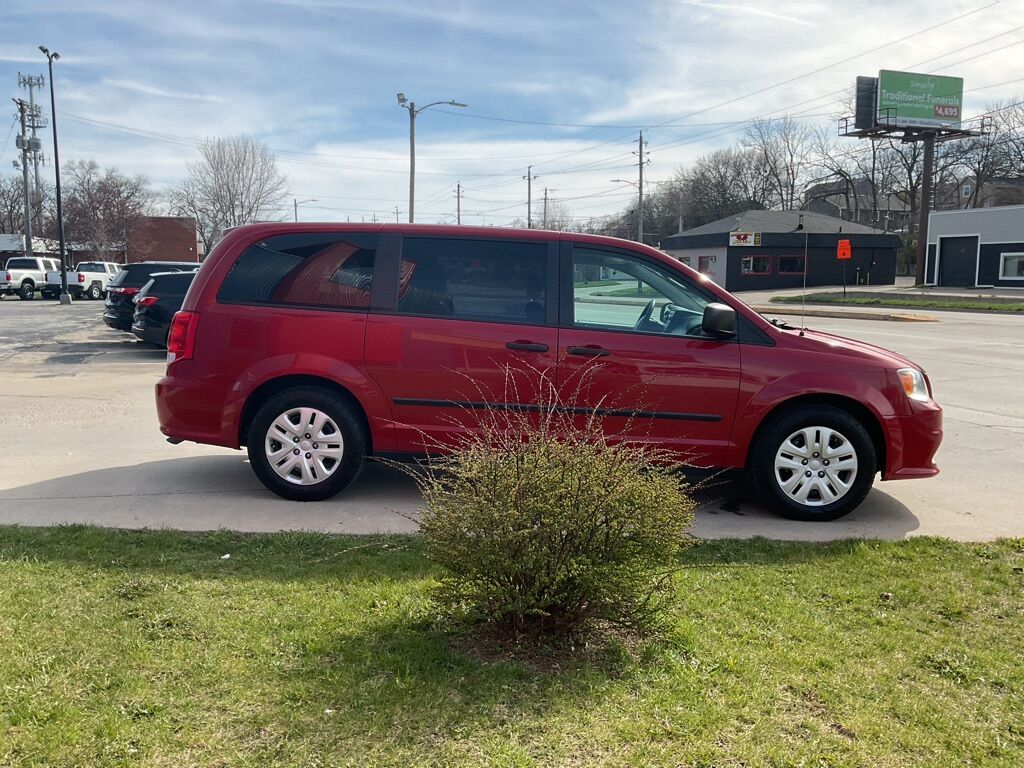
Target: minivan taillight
(181, 339)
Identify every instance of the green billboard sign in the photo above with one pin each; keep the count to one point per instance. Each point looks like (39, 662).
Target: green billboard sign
(926, 101)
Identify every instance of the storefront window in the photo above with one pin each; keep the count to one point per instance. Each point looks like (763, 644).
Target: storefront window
(791, 265)
(1011, 266)
(756, 265)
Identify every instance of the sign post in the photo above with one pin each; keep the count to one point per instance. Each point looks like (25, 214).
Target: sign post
(844, 253)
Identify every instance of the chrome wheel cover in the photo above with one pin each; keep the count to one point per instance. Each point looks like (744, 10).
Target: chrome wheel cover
(816, 466)
(304, 446)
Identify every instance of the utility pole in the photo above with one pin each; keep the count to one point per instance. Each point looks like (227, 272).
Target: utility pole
(640, 205)
(458, 202)
(35, 121)
(545, 226)
(397, 213)
(529, 196)
(23, 145)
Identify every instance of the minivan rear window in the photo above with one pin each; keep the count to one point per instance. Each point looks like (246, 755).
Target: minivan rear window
(497, 280)
(331, 270)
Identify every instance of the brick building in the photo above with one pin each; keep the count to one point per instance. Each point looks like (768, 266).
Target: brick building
(163, 238)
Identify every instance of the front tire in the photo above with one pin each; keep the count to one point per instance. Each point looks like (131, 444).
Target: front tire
(814, 463)
(27, 291)
(306, 444)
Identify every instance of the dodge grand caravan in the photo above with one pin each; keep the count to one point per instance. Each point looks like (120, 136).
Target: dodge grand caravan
(317, 345)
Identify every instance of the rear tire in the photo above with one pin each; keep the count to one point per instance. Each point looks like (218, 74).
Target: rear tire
(95, 292)
(303, 468)
(27, 291)
(814, 463)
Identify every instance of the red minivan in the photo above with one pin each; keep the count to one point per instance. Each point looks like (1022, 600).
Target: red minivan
(317, 345)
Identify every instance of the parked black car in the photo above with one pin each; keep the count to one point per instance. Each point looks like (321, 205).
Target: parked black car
(126, 284)
(156, 304)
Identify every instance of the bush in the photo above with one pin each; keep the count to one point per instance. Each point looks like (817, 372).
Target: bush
(546, 526)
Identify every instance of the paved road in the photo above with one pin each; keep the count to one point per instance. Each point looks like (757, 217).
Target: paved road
(79, 443)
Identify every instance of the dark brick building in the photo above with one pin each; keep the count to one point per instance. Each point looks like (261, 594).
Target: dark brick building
(764, 250)
(163, 238)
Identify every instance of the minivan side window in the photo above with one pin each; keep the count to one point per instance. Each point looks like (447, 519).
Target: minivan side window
(331, 270)
(617, 292)
(492, 280)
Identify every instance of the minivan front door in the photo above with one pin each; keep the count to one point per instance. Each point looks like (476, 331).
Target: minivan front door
(631, 348)
(474, 330)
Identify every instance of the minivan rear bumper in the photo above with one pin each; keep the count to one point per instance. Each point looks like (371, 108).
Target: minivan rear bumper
(912, 442)
(185, 412)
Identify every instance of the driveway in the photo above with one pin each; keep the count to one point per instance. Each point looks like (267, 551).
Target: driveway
(79, 443)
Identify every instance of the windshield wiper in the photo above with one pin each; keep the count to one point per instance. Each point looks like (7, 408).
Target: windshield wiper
(780, 323)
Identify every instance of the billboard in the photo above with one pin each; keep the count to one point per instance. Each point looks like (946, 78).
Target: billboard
(907, 99)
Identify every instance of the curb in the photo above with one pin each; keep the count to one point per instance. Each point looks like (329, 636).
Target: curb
(895, 317)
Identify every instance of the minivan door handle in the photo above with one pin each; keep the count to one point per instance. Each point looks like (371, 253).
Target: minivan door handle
(589, 351)
(527, 346)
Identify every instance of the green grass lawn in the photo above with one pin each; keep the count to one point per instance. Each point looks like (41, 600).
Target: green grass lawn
(631, 291)
(594, 283)
(923, 303)
(151, 649)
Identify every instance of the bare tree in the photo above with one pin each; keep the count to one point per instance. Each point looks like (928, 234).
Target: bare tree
(1010, 118)
(102, 208)
(12, 204)
(988, 157)
(785, 149)
(234, 182)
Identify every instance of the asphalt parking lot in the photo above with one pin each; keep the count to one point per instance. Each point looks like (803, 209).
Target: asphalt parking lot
(80, 443)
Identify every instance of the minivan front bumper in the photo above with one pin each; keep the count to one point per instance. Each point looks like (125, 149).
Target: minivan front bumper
(912, 442)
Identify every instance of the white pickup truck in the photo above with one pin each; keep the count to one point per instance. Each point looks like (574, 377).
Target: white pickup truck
(89, 279)
(24, 275)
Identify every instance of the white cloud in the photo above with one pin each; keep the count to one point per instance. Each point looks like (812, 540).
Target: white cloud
(747, 11)
(152, 90)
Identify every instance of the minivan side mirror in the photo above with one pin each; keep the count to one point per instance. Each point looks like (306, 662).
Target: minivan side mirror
(719, 320)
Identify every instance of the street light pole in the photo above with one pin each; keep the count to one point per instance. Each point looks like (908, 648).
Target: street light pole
(65, 297)
(412, 160)
(640, 188)
(413, 112)
(296, 203)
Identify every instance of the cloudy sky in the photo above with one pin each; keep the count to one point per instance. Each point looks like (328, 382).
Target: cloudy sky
(564, 86)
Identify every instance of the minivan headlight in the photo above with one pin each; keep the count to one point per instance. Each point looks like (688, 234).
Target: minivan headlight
(914, 385)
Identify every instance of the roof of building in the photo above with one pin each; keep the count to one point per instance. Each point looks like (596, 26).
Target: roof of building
(782, 222)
